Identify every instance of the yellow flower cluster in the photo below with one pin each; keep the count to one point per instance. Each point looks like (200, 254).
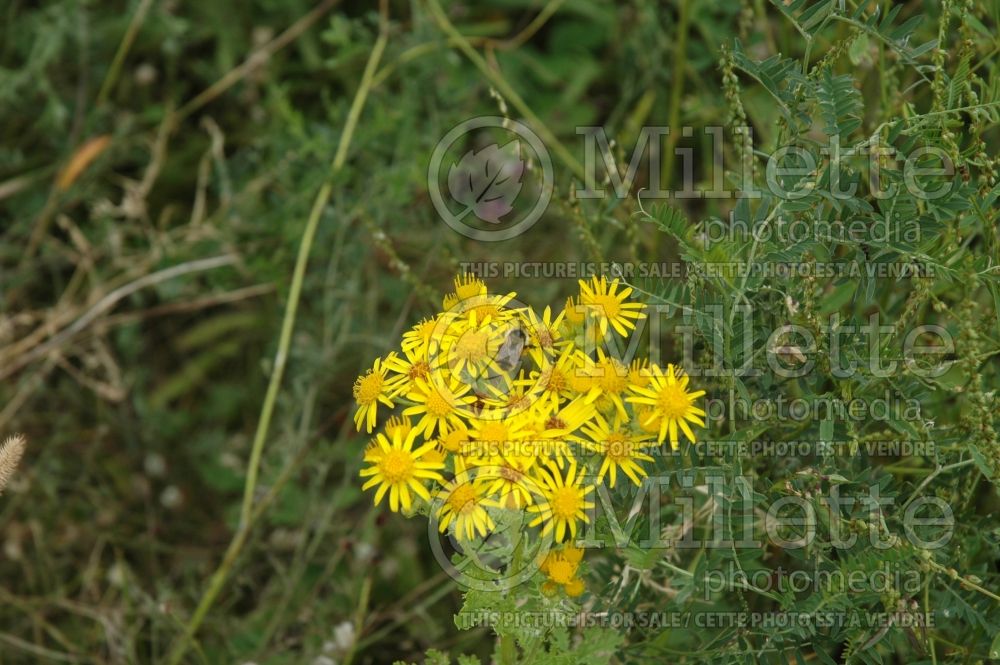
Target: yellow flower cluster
(503, 408)
(561, 569)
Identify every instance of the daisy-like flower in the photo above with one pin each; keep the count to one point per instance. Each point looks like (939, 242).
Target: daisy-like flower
(372, 389)
(440, 403)
(672, 406)
(639, 373)
(505, 396)
(607, 305)
(467, 287)
(397, 424)
(506, 478)
(464, 503)
(399, 470)
(573, 314)
(565, 501)
(558, 423)
(412, 366)
(606, 379)
(421, 337)
(492, 438)
(456, 441)
(621, 450)
(561, 567)
(472, 296)
(470, 346)
(544, 333)
(492, 307)
(555, 378)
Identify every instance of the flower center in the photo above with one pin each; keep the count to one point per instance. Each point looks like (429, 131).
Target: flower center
(367, 389)
(471, 346)
(560, 571)
(419, 370)
(673, 401)
(617, 448)
(510, 474)
(555, 422)
(437, 404)
(565, 502)
(462, 498)
(557, 381)
(493, 432)
(454, 440)
(483, 312)
(613, 379)
(396, 466)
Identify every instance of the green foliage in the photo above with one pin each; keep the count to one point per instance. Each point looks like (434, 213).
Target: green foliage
(140, 419)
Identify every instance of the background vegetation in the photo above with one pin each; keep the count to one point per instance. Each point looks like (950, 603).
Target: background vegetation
(159, 161)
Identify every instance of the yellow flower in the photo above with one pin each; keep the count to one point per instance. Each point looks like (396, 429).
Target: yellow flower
(399, 470)
(620, 450)
(565, 501)
(672, 406)
(435, 454)
(420, 338)
(440, 405)
(573, 313)
(639, 373)
(555, 378)
(464, 505)
(469, 347)
(471, 297)
(646, 419)
(553, 423)
(456, 440)
(560, 567)
(544, 333)
(492, 438)
(413, 366)
(371, 389)
(608, 306)
(506, 478)
(607, 378)
(400, 424)
(510, 396)
(466, 287)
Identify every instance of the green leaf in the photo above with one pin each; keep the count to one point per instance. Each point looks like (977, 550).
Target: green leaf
(840, 103)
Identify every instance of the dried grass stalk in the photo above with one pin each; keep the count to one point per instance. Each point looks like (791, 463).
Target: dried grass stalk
(10, 455)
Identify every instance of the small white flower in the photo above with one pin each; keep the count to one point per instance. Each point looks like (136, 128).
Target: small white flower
(343, 636)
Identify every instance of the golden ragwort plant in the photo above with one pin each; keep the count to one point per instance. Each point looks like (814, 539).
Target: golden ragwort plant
(507, 411)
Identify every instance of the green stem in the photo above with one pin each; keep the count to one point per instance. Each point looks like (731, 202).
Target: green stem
(962, 581)
(247, 514)
(937, 472)
(676, 90)
(123, 48)
(508, 645)
(359, 617)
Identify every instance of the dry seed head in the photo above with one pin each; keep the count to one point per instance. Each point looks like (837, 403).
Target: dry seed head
(10, 454)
